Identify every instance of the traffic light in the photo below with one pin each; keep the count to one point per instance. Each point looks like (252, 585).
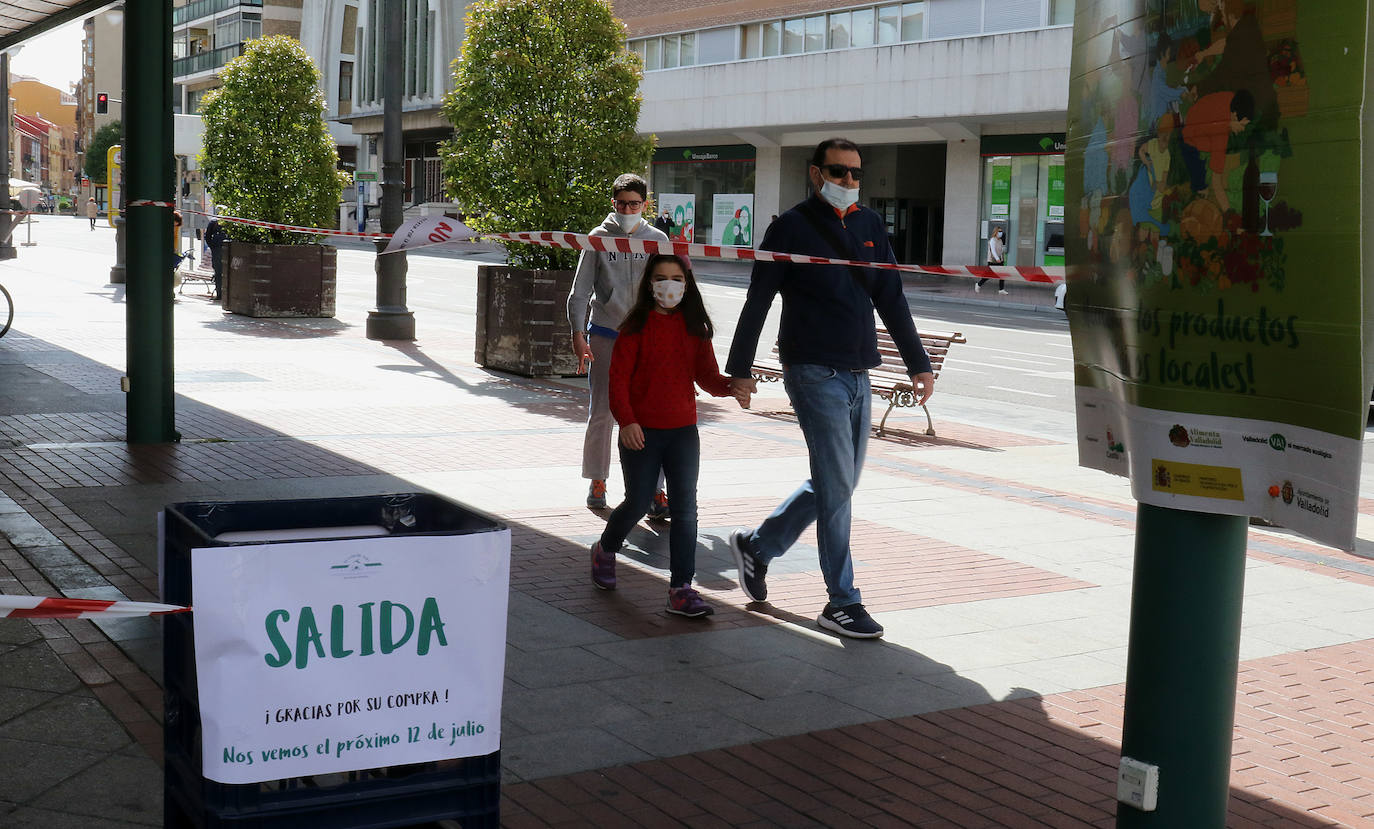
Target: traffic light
(102, 102)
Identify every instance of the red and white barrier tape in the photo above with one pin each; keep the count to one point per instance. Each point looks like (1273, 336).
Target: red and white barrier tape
(438, 230)
(38, 607)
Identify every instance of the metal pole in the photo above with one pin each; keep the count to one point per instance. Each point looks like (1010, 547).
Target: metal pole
(147, 156)
(1182, 664)
(392, 320)
(7, 250)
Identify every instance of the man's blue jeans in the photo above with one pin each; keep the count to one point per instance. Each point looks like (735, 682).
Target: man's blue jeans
(833, 409)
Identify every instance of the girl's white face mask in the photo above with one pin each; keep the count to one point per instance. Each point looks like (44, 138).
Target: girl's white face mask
(669, 292)
(627, 221)
(839, 197)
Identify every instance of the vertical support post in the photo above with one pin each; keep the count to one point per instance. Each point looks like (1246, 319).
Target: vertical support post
(1183, 661)
(7, 250)
(391, 320)
(147, 155)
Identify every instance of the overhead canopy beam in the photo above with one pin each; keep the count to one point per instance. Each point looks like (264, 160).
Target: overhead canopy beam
(24, 19)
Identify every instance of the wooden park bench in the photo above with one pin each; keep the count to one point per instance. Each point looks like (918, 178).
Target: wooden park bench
(888, 381)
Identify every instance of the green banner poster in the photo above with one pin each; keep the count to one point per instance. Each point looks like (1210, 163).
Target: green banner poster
(681, 209)
(1001, 191)
(732, 219)
(1054, 196)
(1214, 226)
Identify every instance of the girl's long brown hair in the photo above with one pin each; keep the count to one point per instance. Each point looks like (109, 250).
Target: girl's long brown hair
(693, 310)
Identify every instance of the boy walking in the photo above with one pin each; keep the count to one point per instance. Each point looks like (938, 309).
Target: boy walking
(603, 290)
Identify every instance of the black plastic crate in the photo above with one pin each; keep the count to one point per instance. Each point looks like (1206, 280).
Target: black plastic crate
(465, 789)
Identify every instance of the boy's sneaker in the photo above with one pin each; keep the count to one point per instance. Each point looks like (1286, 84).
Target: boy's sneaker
(753, 570)
(658, 509)
(1003, 291)
(603, 568)
(596, 494)
(851, 620)
(684, 601)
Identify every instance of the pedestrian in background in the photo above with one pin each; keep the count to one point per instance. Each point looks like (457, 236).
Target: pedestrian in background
(92, 211)
(215, 237)
(826, 343)
(603, 290)
(664, 347)
(664, 223)
(997, 254)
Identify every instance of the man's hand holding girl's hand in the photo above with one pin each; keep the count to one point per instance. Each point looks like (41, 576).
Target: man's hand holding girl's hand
(924, 384)
(741, 388)
(632, 436)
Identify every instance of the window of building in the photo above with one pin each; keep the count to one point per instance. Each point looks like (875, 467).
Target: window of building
(670, 51)
(716, 45)
(751, 41)
(687, 49)
(889, 24)
(815, 33)
(861, 28)
(793, 36)
(347, 43)
(345, 81)
(1061, 12)
(772, 38)
(913, 21)
(839, 30)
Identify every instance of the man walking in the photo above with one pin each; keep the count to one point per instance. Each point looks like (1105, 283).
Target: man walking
(602, 292)
(826, 343)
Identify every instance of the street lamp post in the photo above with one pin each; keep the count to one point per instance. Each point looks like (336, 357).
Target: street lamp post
(391, 320)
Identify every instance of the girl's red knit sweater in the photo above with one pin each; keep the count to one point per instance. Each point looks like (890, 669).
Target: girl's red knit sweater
(652, 371)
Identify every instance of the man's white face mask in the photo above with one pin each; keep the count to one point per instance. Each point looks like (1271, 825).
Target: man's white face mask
(627, 221)
(839, 197)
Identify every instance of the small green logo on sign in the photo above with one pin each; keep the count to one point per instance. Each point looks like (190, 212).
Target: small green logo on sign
(1278, 442)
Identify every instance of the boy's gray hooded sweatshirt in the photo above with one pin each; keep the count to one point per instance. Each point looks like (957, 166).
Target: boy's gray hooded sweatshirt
(606, 282)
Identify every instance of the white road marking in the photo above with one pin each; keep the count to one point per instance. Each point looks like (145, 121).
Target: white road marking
(1020, 391)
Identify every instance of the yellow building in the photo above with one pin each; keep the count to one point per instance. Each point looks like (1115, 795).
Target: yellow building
(35, 99)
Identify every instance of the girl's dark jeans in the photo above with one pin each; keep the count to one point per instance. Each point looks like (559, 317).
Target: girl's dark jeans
(678, 453)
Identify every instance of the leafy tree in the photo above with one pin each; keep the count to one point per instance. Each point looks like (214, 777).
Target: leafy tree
(545, 103)
(104, 138)
(268, 154)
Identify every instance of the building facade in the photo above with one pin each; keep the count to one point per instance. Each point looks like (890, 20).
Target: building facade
(344, 38)
(51, 112)
(102, 70)
(960, 107)
(207, 34)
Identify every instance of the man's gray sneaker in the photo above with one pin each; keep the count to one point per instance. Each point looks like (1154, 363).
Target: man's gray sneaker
(753, 570)
(851, 620)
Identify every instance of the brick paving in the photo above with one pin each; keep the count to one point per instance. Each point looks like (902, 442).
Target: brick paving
(1001, 570)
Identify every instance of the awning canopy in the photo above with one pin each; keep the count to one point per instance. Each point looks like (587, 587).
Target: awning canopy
(22, 19)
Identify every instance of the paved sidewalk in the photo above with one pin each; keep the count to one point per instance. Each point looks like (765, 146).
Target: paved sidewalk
(1000, 569)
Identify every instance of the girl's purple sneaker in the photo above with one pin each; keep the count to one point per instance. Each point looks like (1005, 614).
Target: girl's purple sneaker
(603, 568)
(684, 601)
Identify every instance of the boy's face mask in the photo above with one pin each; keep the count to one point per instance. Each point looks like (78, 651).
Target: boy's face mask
(627, 221)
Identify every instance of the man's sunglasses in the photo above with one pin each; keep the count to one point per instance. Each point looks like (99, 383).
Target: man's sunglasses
(838, 171)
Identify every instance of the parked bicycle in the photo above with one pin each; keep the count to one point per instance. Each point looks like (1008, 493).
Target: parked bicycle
(6, 312)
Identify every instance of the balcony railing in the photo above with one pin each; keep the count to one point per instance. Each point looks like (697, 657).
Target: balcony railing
(201, 8)
(205, 61)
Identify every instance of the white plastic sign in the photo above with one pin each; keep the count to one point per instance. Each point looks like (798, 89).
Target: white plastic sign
(328, 656)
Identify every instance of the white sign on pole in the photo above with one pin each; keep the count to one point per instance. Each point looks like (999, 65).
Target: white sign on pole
(328, 656)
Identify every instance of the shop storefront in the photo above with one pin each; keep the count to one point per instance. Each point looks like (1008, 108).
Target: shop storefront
(708, 192)
(1023, 192)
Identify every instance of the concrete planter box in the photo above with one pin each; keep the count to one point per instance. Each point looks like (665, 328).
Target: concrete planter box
(522, 321)
(279, 280)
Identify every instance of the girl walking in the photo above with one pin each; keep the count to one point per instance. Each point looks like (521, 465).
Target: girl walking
(664, 347)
